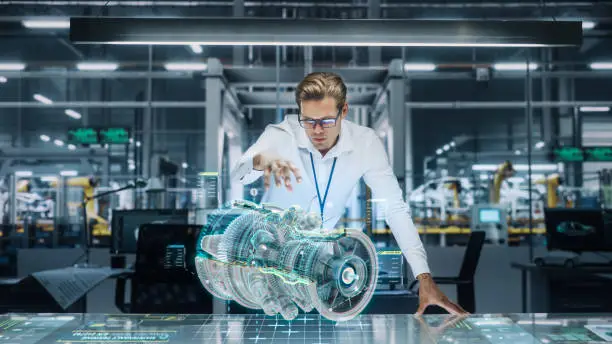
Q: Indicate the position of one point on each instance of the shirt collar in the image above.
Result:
(343, 145)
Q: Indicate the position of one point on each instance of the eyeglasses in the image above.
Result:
(324, 122)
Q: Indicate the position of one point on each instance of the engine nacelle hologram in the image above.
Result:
(278, 260)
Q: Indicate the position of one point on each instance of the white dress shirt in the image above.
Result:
(360, 153)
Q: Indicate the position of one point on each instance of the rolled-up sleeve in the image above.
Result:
(243, 171)
(380, 178)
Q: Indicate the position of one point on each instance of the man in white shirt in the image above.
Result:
(316, 159)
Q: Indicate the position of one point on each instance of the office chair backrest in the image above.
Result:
(164, 278)
(472, 255)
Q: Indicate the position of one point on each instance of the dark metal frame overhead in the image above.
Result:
(318, 32)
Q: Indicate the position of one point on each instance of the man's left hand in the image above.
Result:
(430, 295)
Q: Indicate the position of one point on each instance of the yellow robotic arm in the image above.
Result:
(552, 183)
(503, 172)
(89, 185)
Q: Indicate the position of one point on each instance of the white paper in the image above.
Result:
(68, 285)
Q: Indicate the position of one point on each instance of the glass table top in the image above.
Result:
(309, 328)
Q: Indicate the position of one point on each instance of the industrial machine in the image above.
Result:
(263, 257)
(491, 219)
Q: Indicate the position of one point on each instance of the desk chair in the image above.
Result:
(465, 281)
(158, 284)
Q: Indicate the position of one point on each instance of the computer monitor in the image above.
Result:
(489, 215)
(125, 225)
(578, 230)
(167, 249)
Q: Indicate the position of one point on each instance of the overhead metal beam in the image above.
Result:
(102, 74)
(299, 4)
(51, 154)
(291, 76)
(324, 32)
(504, 104)
(268, 100)
(115, 104)
(265, 76)
(586, 74)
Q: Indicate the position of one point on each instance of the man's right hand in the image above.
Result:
(280, 168)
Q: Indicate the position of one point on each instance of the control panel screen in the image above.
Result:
(489, 215)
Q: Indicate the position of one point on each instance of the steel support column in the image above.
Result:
(548, 127)
(570, 129)
(374, 53)
(147, 124)
(239, 51)
(214, 117)
(400, 122)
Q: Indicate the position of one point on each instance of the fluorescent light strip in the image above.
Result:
(43, 99)
(197, 49)
(23, 173)
(69, 173)
(331, 44)
(73, 114)
(420, 67)
(594, 108)
(186, 66)
(514, 66)
(14, 66)
(601, 65)
(519, 167)
(588, 25)
(46, 24)
(97, 66)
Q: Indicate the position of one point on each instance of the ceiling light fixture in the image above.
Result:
(420, 67)
(186, 66)
(97, 66)
(12, 66)
(588, 25)
(73, 114)
(324, 32)
(594, 108)
(46, 24)
(42, 99)
(196, 48)
(514, 66)
(601, 65)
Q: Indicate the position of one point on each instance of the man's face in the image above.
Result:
(322, 138)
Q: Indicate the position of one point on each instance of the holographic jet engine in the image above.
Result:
(264, 257)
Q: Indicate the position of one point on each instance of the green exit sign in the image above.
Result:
(90, 136)
(83, 136)
(580, 154)
(598, 153)
(566, 154)
(114, 136)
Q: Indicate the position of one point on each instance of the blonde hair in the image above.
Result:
(318, 85)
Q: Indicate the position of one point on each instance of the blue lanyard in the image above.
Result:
(331, 174)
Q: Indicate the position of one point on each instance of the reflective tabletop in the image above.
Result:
(309, 328)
